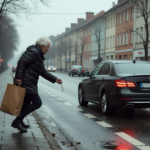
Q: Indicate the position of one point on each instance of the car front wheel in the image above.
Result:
(81, 100)
(105, 108)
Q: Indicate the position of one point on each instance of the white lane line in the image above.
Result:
(130, 139)
(53, 95)
(104, 124)
(67, 103)
(78, 109)
(59, 99)
(89, 116)
(45, 90)
(143, 147)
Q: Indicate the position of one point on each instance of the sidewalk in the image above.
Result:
(38, 137)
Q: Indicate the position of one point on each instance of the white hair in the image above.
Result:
(44, 41)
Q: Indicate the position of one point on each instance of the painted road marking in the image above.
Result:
(60, 99)
(143, 147)
(53, 95)
(104, 124)
(67, 103)
(45, 90)
(89, 116)
(130, 139)
(78, 109)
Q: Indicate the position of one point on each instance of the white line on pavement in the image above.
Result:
(89, 116)
(59, 99)
(67, 103)
(53, 95)
(104, 124)
(45, 90)
(78, 109)
(144, 147)
(130, 139)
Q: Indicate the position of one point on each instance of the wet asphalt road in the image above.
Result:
(122, 131)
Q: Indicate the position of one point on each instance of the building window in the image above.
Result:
(114, 21)
(117, 19)
(123, 38)
(132, 12)
(111, 22)
(108, 43)
(120, 57)
(108, 24)
(127, 14)
(137, 36)
(113, 41)
(131, 57)
(120, 18)
(111, 57)
(107, 57)
(124, 16)
(116, 57)
(127, 37)
(125, 57)
(117, 39)
(141, 33)
(85, 48)
(132, 36)
(120, 39)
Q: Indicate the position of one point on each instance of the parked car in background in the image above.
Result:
(76, 70)
(114, 84)
(51, 69)
(14, 68)
(45, 67)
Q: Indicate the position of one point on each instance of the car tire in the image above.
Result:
(69, 74)
(79, 75)
(72, 74)
(105, 108)
(81, 100)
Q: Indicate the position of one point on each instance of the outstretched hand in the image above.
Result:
(59, 81)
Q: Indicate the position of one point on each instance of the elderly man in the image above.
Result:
(30, 66)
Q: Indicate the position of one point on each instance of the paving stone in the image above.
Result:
(5, 147)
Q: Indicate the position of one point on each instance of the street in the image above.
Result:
(85, 128)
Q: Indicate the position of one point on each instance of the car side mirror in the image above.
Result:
(86, 74)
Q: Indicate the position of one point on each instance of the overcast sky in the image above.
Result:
(54, 20)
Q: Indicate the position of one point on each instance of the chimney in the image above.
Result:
(89, 15)
(67, 29)
(52, 37)
(73, 25)
(113, 4)
(80, 20)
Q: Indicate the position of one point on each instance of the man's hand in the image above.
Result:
(18, 81)
(59, 81)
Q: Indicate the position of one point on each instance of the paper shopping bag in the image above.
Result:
(13, 100)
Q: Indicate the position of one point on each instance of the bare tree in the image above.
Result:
(75, 50)
(69, 48)
(18, 7)
(64, 49)
(9, 40)
(82, 43)
(97, 33)
(144, 11)
(59, 54)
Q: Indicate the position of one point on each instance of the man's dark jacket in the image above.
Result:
(30, 66)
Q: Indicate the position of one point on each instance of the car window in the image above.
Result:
(97, 69)
(105, 70)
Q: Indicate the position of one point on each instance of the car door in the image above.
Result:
(100, 80)
(89, 82)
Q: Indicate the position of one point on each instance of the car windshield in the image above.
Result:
(51, 67)
(133, 69)
(77, 67)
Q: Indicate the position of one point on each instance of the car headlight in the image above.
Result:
(54, 68)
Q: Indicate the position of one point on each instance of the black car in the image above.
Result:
(76, 70)
(114, 84)
(51, 69)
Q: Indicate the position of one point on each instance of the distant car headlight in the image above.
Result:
(54, 68)
(49, 68)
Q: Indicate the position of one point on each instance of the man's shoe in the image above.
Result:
(18, 124)
(25, 125)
